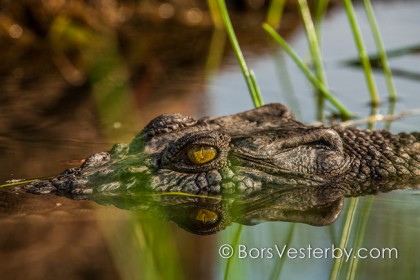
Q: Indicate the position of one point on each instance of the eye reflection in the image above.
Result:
(201, 154)
(206, 216)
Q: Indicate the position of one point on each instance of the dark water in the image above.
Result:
(60, 105)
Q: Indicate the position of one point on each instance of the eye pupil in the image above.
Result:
(200, 154)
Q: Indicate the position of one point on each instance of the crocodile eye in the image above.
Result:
(201, 154)
(195, 152)
(206, 217)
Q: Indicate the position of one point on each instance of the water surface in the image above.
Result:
(51, 118)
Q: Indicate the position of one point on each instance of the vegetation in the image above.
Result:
(146, 248)
(318, 79)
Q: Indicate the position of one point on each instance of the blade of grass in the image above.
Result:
(381, 49)
(234, 244)
(285, 82)
(345, 237)
(21, 182)
(362, 222)
(215, 14)
(374, 110)
(163, 256)
(391, 112)
(309, 75)
(320, 10)
(249, 78)
(218, 40)
(275, 274)
(275, 12)
(215, 53)
(257, 94)
(252, 87)
(360, 234)
(315, 52)
(364, 59)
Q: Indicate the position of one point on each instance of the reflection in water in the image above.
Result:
(199, 214)
(396, 72)
(259, 165)
(208, 215)
(76, 78)
(90, 73)
(318, 206)
(78, 75)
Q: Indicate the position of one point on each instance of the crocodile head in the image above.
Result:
(243, 152)
(262, 162)
(239, 153)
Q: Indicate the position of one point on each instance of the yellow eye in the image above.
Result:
(199, 154)
(206, 216)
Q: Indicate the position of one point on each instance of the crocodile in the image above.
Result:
(263, 159)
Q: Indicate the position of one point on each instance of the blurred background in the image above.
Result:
(78, 76)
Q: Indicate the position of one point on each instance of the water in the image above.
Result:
(42, 133)
(347, 83)
(391, 223)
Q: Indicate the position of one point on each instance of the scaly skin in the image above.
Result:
(380, 155)
(253, 155)
(264, 146)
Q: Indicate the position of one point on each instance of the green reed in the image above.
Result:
(275, 12)
(252, 87)
(361, 224)
(315, 52)
(248, 74)
(314, 47)
(360, 234)
(345, 236)
(21, 182)
(319, 81)
(275, 274)
(381, 49)
(320, 10)
(305, 70)
(364, 59)
(234, 244)
(321, 7)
